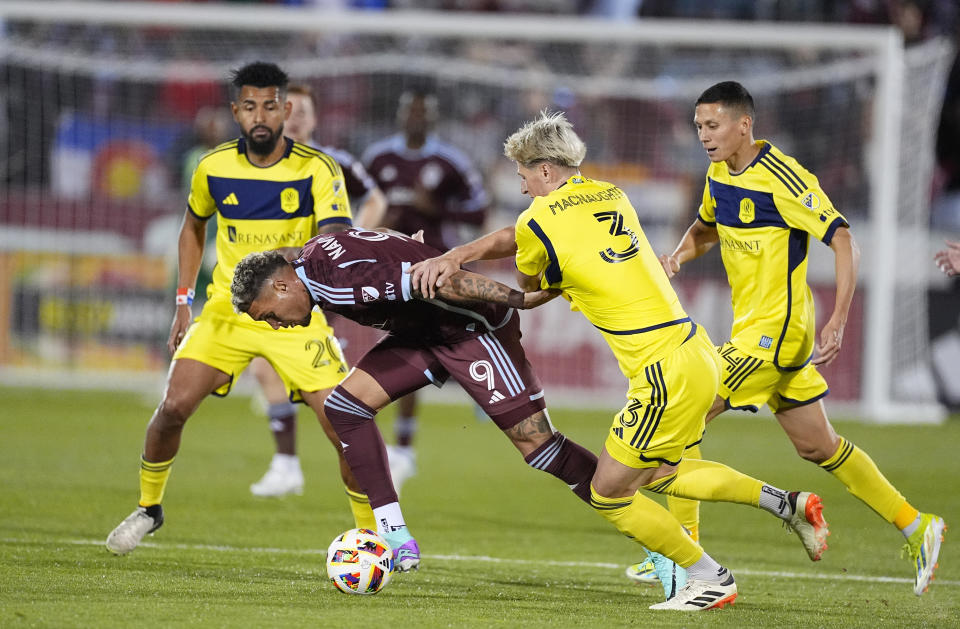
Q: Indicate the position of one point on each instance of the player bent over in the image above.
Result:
(582, 237)
(361, 275)
(263, 188)
(763, 206)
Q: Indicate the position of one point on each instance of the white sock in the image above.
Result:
(389, 518)
(285, 462)
(775, 501)
(706, 569)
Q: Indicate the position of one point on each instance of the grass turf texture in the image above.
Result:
(504, 545)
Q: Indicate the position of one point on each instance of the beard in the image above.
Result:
(265, 146)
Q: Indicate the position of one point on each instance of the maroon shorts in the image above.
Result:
(492, 368)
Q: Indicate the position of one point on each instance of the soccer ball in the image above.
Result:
(359, 562)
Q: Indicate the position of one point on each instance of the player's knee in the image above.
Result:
(173, 412)
(815, 453)
(344, 410)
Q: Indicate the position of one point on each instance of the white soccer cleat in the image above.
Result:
(134, 528)
(283, 477)
(808, 523)
(924, 549)
(697, 596)
(403, 464)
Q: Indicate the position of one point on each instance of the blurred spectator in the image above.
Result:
(430, 186)
(211, 126)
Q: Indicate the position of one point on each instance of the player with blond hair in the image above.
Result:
(582, 237)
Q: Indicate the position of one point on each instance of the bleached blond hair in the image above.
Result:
(548, 138)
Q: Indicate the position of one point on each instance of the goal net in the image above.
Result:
(105, 105)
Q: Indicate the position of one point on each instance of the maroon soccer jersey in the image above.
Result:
(437, 170)
(361, 275)
(355, 177)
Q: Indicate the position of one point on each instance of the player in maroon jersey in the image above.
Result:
(431, 186)
(362, 275)
(284, 476)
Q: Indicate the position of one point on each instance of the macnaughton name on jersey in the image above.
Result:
(573, 200)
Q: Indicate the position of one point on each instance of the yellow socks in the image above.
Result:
(711, 481)
(362, 513)
(649, 524)
(687, 511)
(857, 471)
(153, 480)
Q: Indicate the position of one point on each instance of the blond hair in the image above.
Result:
(548, 138)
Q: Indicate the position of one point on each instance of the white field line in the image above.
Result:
(484, 558)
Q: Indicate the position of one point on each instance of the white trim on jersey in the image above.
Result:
(322, 292)
(406, 282)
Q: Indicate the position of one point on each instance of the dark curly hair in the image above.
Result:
(251, 274)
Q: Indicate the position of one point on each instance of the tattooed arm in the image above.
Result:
(465, 287)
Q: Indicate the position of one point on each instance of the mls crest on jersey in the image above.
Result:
(811, 201)
(748, 210)
(369, 293)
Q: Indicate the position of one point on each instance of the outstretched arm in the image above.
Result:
(698, 239)
(466, 287)
(847, 261)
(429, 275)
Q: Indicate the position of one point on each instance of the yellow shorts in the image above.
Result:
(667, 406)
(747, 383)
(306, 358)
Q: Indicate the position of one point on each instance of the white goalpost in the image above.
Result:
(101, 99)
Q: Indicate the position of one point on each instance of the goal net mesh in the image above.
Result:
(101, 122)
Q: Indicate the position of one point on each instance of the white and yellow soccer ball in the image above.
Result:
(359, 562)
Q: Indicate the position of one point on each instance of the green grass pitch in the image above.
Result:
(504, 545)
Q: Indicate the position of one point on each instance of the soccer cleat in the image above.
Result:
(644, 572)
(403, 464)
(127, 535)
(698, 596)
(924, 548)
(283, 477)
(406, 551)
(808, 523)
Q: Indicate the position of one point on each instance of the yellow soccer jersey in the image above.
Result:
(585, 239)
(265, 208)
(764, 217)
